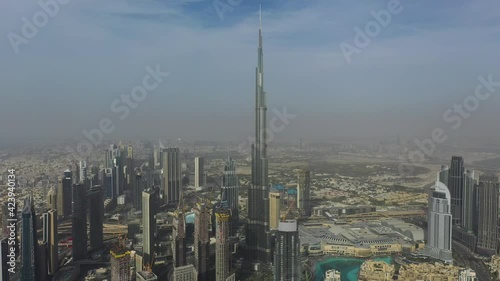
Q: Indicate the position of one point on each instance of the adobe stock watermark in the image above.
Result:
(363, 38)
(121, 107)
(454, 116)
(220, 6)
(48, 9)
(276, 125)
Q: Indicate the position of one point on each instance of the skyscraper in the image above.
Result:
(186, 273)
(148, 226)
(79, 227)
(456, 187)
(222, 251)
(83, 171)
(304, 192)
(468, 201)
(52, 199)
(257, 236)
(138, 187)
(171, 175)
(230, 192)
(29, 242)
(287, 254)
(488, 192)
(120, 268)
(129, 174)
(108, 183)
(179, 236)
(64, 194)
(96, 216)
(201, 240)
(4, 267)
(10, 227)
(439, 225)
(274, 209)
(50, 238)
(444, 174)
(230, 184)
(199, 172)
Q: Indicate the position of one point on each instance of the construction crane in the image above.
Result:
(283, 217)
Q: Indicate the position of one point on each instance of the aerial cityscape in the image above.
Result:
(377, 159)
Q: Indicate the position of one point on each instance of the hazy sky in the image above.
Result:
(92, 51)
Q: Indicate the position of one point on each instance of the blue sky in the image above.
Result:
(91, 52)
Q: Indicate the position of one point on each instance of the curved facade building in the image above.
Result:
(439, 239)
(287, 253)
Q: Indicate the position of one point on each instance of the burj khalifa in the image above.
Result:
(257, 236)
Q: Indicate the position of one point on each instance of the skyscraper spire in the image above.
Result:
(260, 16)
(258, 241)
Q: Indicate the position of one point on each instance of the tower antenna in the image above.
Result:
(260, 16)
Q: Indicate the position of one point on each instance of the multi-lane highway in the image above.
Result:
(464, 257)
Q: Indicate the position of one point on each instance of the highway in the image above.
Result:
(466, 258)
(371, 216)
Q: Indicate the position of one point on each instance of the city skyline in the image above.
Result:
(345, 175)
(437, 77)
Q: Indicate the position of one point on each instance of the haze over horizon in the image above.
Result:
(90, 53)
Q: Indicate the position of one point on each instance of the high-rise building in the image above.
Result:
(199, 172)
(488, 192)
(50, 238)
(332, 275)
(10, 212)
(148, 226)
(116, 159)
(201, 240)
(4, 259)
(475, 211)
(83, 171)
(171, 175)
(108, 183)
(64, 192)
(230, 185)
(222, 245)
(95, 197)
(444, 174)
(468, 201)
(257, 236)
(79, 227)
(456, 187)
(439, 225)
(41, 260)
(129, 173)
(52, 199)
(179, 236)
(29, 242)
(274, 209)
(120, 265)
(230, 192)
(186, 273)
(138, 187)
(304, 192)
(156, 156)
(287, 253)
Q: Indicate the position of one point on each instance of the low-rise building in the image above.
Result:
(376, 271)
(435, 272)
(362, 240)
(332, 275)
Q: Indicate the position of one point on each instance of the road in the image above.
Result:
(466, 258)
